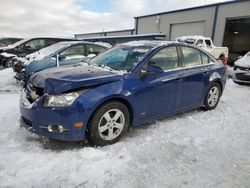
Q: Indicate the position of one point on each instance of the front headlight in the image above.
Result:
(61, 100)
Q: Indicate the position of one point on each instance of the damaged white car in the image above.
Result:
(241, 74)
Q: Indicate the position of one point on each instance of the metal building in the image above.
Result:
(227, 23)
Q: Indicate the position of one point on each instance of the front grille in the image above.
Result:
(31, 91)
(27, 122)
(241, 68)
(243, 76)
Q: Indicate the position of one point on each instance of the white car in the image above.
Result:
(206, 44)
(243, 63)
(241, 73)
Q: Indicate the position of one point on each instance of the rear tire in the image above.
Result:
(109, 123)
(212, 96)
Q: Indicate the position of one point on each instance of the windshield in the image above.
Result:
(121, 58)
(19, 43)
(53, 48)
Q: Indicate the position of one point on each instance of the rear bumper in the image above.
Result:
(37, 119)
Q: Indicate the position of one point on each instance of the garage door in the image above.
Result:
(184, 29)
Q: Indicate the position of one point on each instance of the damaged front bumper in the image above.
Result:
(54, 123)
(242, 77)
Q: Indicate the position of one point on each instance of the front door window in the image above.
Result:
(166, 58)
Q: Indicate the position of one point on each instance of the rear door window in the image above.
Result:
(35, 45)
(51, 41)
(166, 58)
(205, 59)
(191, 57)
(92, 49)
(74, 51)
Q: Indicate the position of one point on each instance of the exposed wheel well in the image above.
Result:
(222, 54)
(221, 87)
(121, 100)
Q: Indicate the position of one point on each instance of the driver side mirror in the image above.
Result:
(152, 69)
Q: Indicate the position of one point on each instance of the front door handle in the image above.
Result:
(171, 78)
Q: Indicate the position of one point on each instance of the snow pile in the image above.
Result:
(194, 149)
(8, 82)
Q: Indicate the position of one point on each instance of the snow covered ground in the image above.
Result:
(195, 150)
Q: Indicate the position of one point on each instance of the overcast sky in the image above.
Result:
(24, 18)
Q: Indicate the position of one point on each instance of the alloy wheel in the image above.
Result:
(213, 96)
(111, 124)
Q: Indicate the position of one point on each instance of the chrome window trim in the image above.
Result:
(197, 66)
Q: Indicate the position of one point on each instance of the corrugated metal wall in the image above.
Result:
(202, 21)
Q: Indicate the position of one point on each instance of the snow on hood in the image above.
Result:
(4, 54)
(62, 79)
(2, 49)
(244, 61)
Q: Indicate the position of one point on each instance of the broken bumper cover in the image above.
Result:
(45, 121)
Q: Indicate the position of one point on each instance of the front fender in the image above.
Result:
(95, 97)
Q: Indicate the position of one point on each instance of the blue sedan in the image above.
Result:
(59, 54)
(128, 85)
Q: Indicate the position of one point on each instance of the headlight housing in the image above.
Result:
(61, 100)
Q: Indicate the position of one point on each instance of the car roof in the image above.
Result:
(149, 43)
(158, 43)
(81, 42)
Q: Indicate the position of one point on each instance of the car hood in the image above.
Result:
(4, 48)
(67, 78)
(7, 55)
(243, 62)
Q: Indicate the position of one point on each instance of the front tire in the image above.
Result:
(212, 96)
(8, 63)
(109, 123)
